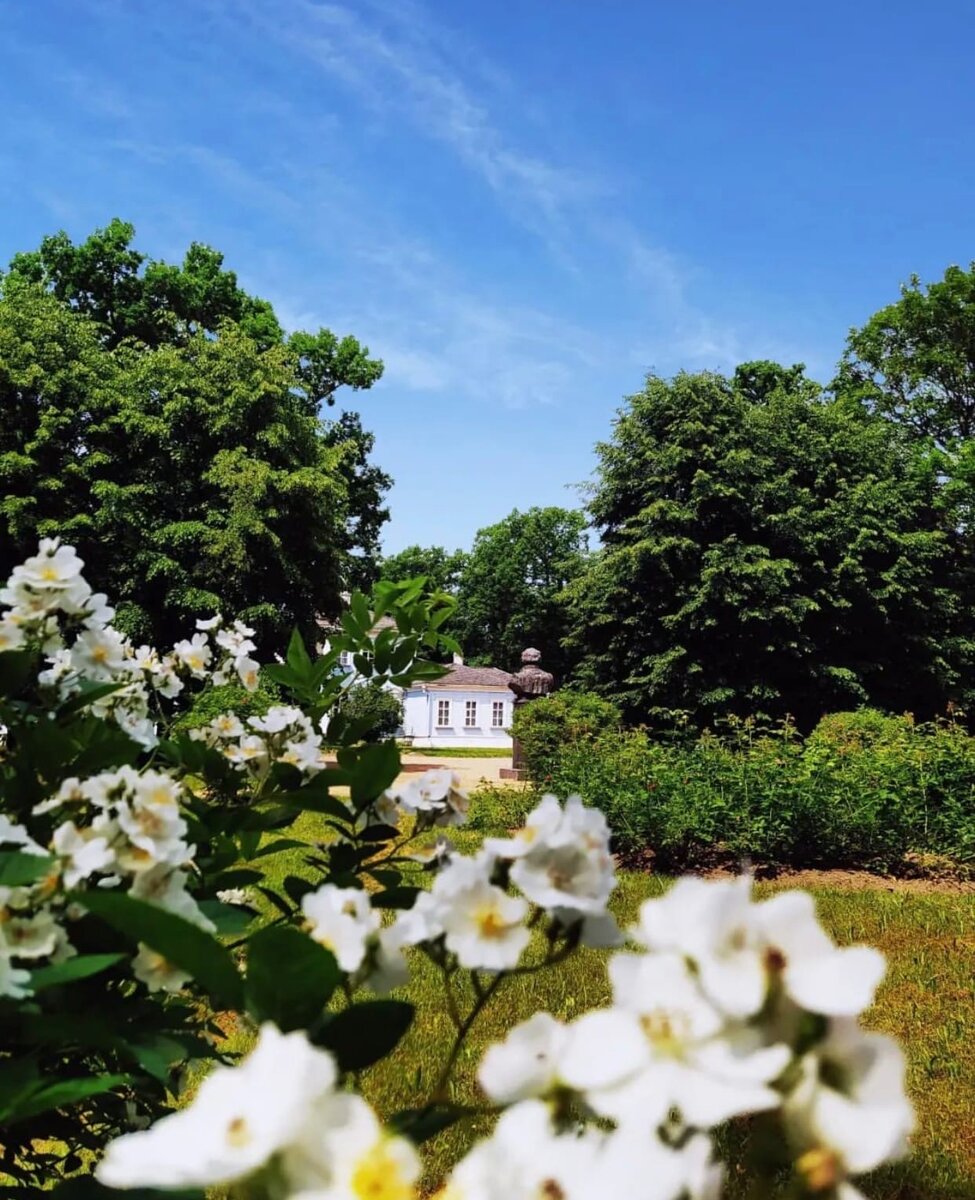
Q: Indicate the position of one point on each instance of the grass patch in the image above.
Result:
(925, 1001)
(455, 751)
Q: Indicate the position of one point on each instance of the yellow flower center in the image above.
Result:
(49, 573)
(378, 1176)
(490, 923)
(238, 1132)
(100, 654)
(667, 1031)
(820, 1169)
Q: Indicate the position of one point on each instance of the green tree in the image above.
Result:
(441, 568)
(508, 594)
(158, 417)
(914, 360)
(766, 550)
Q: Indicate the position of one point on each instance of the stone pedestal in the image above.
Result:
(528, 684)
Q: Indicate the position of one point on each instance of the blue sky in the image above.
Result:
(520, 207)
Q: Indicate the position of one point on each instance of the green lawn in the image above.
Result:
(454, 752)
(926, 1001)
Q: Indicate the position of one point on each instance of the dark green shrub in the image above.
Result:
(864, 789)
(545, 726)
(229, 697)
(375, 712)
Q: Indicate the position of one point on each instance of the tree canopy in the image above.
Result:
(509, 589)
(158, 417)
(441, 568)
(767, 549)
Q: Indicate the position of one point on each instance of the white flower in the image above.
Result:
(234, 896)
(157, 972)
(569, 868)
(527, 1062)
(239, 1119)
(138, 726)
(387, 967)
(740, 947)
(195, 654)
(205, 625)
(99, 611)
(248, 672)
(11, 634)
(437, 792)
(155, 832)
(524, 1160)
(250, 749)
(540, 826)
(161, 885)
(639, 1167)
(28, 937)
(98, 654)
(664, 1045)
(85, 850)
(156, 788)
(14, 982)
(421, 923)
(849, 1112)
(278, 718)
(341, 920)
(346, 1155)
(483, 926)
(12, 834)
(227, 725)
(53, 568)
(305, 755)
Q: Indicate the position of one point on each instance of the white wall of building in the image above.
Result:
(424, 715)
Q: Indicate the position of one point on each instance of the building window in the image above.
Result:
(345, 658)
(443, 712)
(497, 714)
(470, 714)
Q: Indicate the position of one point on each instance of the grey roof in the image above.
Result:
(461, 676)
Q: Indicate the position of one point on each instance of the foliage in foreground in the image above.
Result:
(862, 790)
(722, 1007)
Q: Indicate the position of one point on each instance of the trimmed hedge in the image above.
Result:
(863, 789)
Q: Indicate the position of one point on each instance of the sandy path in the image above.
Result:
(472, 771)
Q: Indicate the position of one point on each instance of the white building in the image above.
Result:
(469, 706)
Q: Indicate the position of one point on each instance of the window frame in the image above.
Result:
(497, 714)
(443, 707)
(470, 714)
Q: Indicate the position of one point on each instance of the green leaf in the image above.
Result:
(366, 1032)
(297, 656)
(290, 977)
(228, 918)
(81, 967)
(16, 668)
(379, 833)
(18, 867)
(395, 897)
(297, 888)
(90, 692)
(157, 1055)
(182, 943)
(65, 1091)
(421, 1124)
(373, 770)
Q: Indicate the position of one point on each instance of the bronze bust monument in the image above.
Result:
(528, 684)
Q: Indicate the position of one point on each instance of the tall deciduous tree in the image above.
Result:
(914, 361)
(765, 550)
(441, 568)
(158, 417)
(508, 595)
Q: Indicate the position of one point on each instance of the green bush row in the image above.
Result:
(863, 789)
